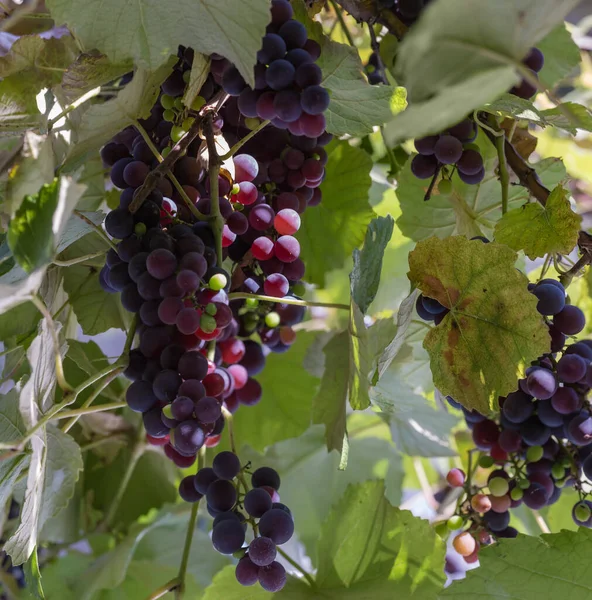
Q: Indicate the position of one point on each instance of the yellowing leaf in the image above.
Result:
(540, 230)
(492, 330)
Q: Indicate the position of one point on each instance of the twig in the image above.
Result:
(504, 176)
(430, 189)
(78, 102)
(171, 586)
(299, 568)
(89, 410)
(344, 28)
(295, 301)
(540, 521)
(77, 260)
(244, 140)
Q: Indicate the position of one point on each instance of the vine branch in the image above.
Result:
(295, 301)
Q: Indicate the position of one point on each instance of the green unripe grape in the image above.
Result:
(441, 529)
(455, 522)
(169, 115)
(498, 487)
(235, 189)
(566, 461)
(167, 411)
(251, 302)
(186, 76)
(524, 484)
(177, 133)
(211, 309)
(558, 471)
(582, 512)
(218, 282)
(486, 461)
(517, 493)
(298, 288)
(534, 453)
(272, 319)
(140, 229)
(167, 102)
(188, 122)
(445, 187)
(252, 123)
(179, 103)
(207, 323)
(165, 151)
(198, 103)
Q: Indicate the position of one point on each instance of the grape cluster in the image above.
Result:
(228, 498)
(541, 441)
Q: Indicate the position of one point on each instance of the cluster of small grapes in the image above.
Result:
(225, 489)
(541, 442)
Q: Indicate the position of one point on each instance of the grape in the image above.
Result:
(246, 572)
(238, 223)
(582, 513)
(195, 262)
(294, 271)
(464, 544)
(187, 321)
(140, 397)
(117, 172)
(135, 173)
(137, 266)
(432, 305)
(481, 503)
(148, 213)
(287, 106)
(470, 163)
(281, 11)
(262, 248)
(426, 145)
(548, 415)
(261, 217)
(276, 285)
(193, 365)
(203, 478)
(566, 401)
(183, 462)
(188, 280)
(247, 194)
(312, 126)
(472, 179)
(535, 60)
(551, 299)
(112, 152)
(287, 249)
(182, 408)
(247, 103)
(518, 407)
(262, 551)
(534, 433)
(498, 486)
(424, 167)
(188, 437)
(308, 74)
(228, 537)
(166, 385)
(148, 287)
(272, 48)
(535, 496)
(221, 495)
(571, 368)
(153, 340)
(136, 365)
(448, 150)
(169, 359)
(128, 248)
(208, 410)
(299, 56)
(118, 277)
(161, 263)
(246, 168)
(257, 502)
(187, 490)
(463, 131)
(485, 434)
(233, 82)
(119, 223)
(541, 383)
(149, 313)
(265, 106)
(570, 321)
(266, 476)
(497, 521)
(226, 465)
(314, 100)
(168, 310)
(524, 89)
(153, 423)
(581, 349)
(280, 74)
(455, 478)
(273, 577)
(579, 429)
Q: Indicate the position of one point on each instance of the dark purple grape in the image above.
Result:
(228, 536)
(257, 502)
(470, 163)
(136, 365)
(272, 48)
(579, 429)
(424, 167)
(135, 173)
(287, 105)
(148, 287)
(203, 478)
(277, 525)
(187, 490)
(566, 401)
(571, 368)
(117, 172)
(293, 33)
(281, 11)
(153, 423)
(131, 299)
(548, 415)
(161, 263)
(118, 277)
(524, 89)
(188, 437)
(246, 572)
(119, 223)
(280, 74)
(308, 74)
(273, 577)
(314, 100)
(182, 408)
(193, 365)
(128, 248)
(426, 145)
(448, 150)
(541, 383)
(497, 521)
(262, 551)
(463, 131)
(299, 56)
(221, 495)
(570, 321)
(551, 299)
(534, 433)
(472, 179)
(166, 385)
(112, 152)
(535, 496)
(208, 410)
(233, 82)
(226, 465)
(518, 407)
(193, 388)
(140, 397)
(535, 60)
(149, 313)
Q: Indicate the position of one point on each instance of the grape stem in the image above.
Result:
(97, 228)
(77, 260)
(540, 521)
(504, 176)
(430, 189)
(171, 586)
(89, 410)
(244, 140)
(180, 587)
(228, 418)
(216, 219)
(295, 301)
(299, 568)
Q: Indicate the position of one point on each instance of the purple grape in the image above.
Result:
(153, 423)
(182, 408)
(140, 397)
(119, 223)
(448, 150)
(226, 465)
(314, 100)
(273, 577)
(570, 321)
(308, 74)
(272, 48)
(257, 502)
(518, 407)
(166, 385)
(208, 410)
(262, 551)
(161, 263)
(472, 179)
(193, 365)
(203, 478)
(424, 167)
(535, 60)
(247, 572)
(221, 495)
(470, 163)
(541, 383)
(280, 74)
(551, 299)
(426, 145)
(566, 401)
(228, 536)
(188, 438)
(571, 368)
(187, 490)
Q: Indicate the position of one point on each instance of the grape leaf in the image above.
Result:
(493, 330)
(88, 71)
(470, 209)
(13, 293)
(356, 106)
(100, 122)
(331, 230)
(226, 586)
(20, 320)
(284, 410)
(418, 429)
(365, 276)
(541, 230)
(545, 566)
(149, 32)
(311, 481)
(33, 576)
(18, 109)
(76, 228)
(364, 537)
(562, 55)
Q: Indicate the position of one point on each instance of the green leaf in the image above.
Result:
(366, 539)
(493, 330)
(88, 71)
(33, 576)
(18, 109)
(562, 56)
(285, 408)
(470, 209)
(418, 429)
(331, 230)
(148, 32)
(76, 229)
(20, 320)
(365, 276)
(541, 230)
(200, 68)
(311, 481)
(356, 106)
(100, 122)
(13, 293)
(553, 564)
(226, 586)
